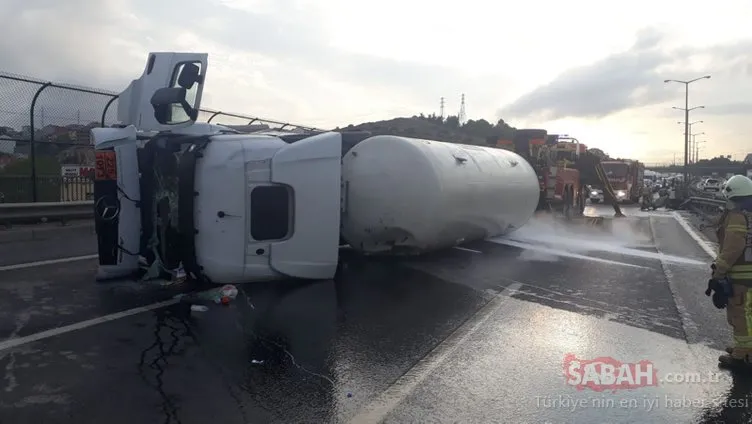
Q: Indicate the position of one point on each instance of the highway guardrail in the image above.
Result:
(30, 213)
(707, 201)
(709, 210)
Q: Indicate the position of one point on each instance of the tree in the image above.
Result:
(599, 153)
(452, 122)
(479, 128)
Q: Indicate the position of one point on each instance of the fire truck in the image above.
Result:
(554, 158)
(627, 177)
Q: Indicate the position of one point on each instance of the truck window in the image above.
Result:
(615, 170)
(178, 114)
(270, 212)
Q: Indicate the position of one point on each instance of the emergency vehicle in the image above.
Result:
(627, 177)
(554, 158)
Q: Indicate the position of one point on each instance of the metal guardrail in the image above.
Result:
(31, 213)
(707, 201)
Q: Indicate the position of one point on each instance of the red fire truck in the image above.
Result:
(553, 157)
(627, 177)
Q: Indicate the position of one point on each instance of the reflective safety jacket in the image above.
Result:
(735, 247)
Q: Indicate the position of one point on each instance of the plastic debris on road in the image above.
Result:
(228, 293)
(199, 308)
(257, 362)
(220, 295)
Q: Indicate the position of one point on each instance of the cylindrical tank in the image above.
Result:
(406, 195)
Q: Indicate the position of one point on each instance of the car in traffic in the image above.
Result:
(711, 185)
(595, 195)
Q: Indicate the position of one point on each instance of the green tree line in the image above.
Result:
(477, 128)
(719, 165)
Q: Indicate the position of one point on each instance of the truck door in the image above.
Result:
(167, 96)
(311, 169)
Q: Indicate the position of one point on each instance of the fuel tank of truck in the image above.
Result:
(408, 196)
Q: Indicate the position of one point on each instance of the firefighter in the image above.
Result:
(646, 196)
(732, 269)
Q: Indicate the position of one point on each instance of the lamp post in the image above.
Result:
(693, 147)
(686, 110)
(691, 123)
(697, 149)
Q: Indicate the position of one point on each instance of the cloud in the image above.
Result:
(737, 108)
(286, 60)
(617, 82)
(264, 56)
(632, 79)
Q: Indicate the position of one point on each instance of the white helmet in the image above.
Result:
(737, 186)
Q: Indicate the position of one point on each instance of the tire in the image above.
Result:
(567, 207)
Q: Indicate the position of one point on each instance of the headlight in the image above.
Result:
(621, 193)
(593, 193)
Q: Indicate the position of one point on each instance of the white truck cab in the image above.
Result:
(226, 207)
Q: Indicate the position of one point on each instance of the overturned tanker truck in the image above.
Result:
(233, 207)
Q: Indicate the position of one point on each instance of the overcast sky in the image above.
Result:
(591, 69)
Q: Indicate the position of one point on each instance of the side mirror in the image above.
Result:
(189, 75)
(164, 101)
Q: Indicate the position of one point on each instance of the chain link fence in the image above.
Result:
(46, 154)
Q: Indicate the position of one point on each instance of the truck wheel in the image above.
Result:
(542, 203)
(567, 207)
(581, 205)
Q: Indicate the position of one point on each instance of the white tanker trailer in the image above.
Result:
(234, 208)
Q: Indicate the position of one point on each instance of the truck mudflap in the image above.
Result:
(117, 217)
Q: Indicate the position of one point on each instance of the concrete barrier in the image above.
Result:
(32, 213)
(53, 231)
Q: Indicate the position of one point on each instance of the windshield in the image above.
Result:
(711, 182)
(565, 155)
(615, 169)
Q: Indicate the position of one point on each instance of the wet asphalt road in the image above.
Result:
(31, 243)
(476, 335)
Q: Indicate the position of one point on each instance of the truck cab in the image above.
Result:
(223, 206)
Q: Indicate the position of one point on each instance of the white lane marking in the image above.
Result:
(19, 341)
(390, 398)
(695, 235)
(562, 253)
(47, 262)
(466, 249)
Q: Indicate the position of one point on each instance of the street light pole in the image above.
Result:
(694, 146)
(686, 120)
(686, 133)
(697, 150)
(687, 126)
(691, 148)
